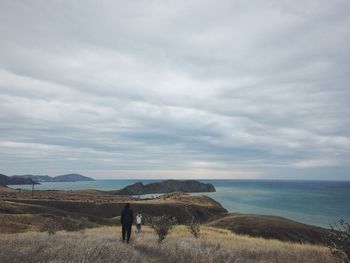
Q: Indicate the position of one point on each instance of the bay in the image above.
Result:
(313, 202)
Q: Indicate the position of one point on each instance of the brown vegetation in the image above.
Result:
(162, 225)
(52, 211)
(99, 207)
(338, 240)
(194, 227)
(104, 245)
(19, 213)
(271, 227)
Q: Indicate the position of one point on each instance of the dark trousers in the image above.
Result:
(126, 229)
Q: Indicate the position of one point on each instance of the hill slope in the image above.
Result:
(271, 227)
(99, 207)
(104, 208)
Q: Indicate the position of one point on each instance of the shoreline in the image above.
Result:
(303, 201)
(103, 208)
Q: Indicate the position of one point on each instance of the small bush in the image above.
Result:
(70, 224)
(161, 225)
(83, 224)
(338, 240)
(50, 225)
(194, 227)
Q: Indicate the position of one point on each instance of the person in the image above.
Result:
(138, 222)
(126, 219)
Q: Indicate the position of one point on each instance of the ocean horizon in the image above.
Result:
(312, 202)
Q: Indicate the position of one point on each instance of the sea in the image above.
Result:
(318, 203)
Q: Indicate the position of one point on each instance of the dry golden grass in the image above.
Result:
(224, 246)
(103, 244)
(73, 196)
(101, 197)
(65, 247)
(19, 223)
(184, 198)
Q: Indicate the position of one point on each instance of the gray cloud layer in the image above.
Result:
(175, 88)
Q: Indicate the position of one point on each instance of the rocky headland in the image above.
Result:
(168, 186)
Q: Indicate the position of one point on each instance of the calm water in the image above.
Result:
(313, 202)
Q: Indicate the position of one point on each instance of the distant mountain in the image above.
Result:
(36, 178)
(60, 178)
(168, 186)
(72, 178)
(7, 180)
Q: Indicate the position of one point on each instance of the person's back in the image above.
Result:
(127, 216)
(126, 219)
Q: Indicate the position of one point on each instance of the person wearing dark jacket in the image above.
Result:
(126, 219)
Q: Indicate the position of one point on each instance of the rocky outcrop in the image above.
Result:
(169, 186)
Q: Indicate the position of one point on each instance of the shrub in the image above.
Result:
(50, 225)
(161, 225)
(338, 240)
(83, 224)
(70, 224)
(194, 227)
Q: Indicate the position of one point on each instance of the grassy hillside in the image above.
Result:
(272, 227)
(26, 217)
(18, 212)
(103, 245)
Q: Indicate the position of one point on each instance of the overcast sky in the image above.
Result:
(175, 89)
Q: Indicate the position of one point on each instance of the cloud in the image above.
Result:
(203, 88)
